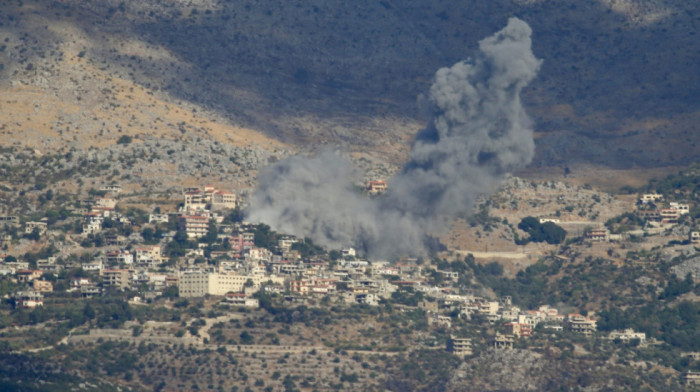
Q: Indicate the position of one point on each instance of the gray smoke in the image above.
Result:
(478, 132)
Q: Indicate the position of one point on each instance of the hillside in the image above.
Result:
(618, 85)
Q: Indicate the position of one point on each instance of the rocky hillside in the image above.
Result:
(618, 86)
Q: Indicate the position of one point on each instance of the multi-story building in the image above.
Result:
(223, 200)
(195, 201)
(26, 276)
(669, 215)
(149, 255)
(581, 324)
(194, 225)
(459, 346)
(201, 283)
(503, 341)
(28, 299)
(118, 278)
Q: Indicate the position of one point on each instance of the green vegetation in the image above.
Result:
(540, 232)
(124, 139)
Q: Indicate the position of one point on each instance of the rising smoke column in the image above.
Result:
(478, 132)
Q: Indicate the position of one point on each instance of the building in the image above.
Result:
(682, 208)
(597, 235)
(149, 255)
(28, 299)
(459, 346)
(194, 225)
(552, 220)
(30, 226)
(518, 329)
(195, 201)
(376, 187)
(651, 197)
(118, 278)
(26, 276)
(503, 341)
(627, 335)
(42, 286)
(10, 220)
(581, 324)
(105, 202)
(201, 283)
(694, 237)
(240, 299)
(223, 200)
(111, 188)
(119, 257)
(158, 218)
(669, 215)
(690, 378)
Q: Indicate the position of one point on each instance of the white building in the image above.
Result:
(201, 283)
(158, 218)
(627, 335)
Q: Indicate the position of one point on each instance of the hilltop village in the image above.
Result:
(195, 249)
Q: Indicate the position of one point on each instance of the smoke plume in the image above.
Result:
(477, 133)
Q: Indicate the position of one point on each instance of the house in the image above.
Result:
(348, 252)
(10, 220)
(627, 335)
(682, 208)
(28, 299)
(29, 227)
(149, 255)
(48, 265)
(376, 187)
(119, 257)
(694, 237)
(552, 220)
(459, 346)
(77, 283)
(438, 320)
(94, 265)
(651, 198)
(111, 188)
(158, 218)
(240, 299)
(597, 235)
(449, 275)
(690, 378)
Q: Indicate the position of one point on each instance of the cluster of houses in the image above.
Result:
(240, 269)
(659, 215)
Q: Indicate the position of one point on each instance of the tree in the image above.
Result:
(124, 139)
(148, 234)
(212, 234)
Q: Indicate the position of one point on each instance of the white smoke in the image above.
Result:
(478, 132)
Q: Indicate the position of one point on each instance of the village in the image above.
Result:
(204, 249)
